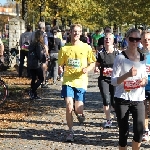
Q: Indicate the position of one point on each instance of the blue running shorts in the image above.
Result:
(77, 94)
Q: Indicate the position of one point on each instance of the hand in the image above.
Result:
(85, 70)
(132, 72)
(96, 70)
(143, 82)
(60, 70)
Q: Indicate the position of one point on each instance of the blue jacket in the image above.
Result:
(124, 43)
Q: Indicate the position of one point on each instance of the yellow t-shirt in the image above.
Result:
(75, 58)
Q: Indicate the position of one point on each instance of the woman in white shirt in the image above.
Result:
(130, 77)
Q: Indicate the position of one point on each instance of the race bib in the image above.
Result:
(148, 69)
(107, 72)
(74, 63)
(131, 84)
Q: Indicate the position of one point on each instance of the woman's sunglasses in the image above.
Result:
(132, 39)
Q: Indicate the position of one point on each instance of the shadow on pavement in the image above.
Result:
(103, 139)
(58, 135)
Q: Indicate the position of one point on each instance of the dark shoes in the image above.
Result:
(33, 96)
(37, 98)
(81, 118)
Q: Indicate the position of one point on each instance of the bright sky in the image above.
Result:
(3, 2)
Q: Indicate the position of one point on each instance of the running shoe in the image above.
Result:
(108, 124)
(146, 136)
(70, 137)
(81, 118)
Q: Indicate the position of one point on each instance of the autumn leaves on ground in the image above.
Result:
(18, 105)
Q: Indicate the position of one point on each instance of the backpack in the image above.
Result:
(26, 41)
(33, 60)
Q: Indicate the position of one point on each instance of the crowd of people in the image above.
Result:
(123, 64)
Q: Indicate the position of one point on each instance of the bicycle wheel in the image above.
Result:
(3, 92)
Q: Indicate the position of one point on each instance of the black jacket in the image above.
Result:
(35, 55)
(55, 45)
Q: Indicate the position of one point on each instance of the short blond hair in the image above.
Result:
(109, 33)
(75, 25)
(145, 32)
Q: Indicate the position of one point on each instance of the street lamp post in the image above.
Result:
(40, 12)
(63, 22)
(33, 21)
(24, 9)
(42, 7)
(17, 8)
(55, 21)
(69, 22)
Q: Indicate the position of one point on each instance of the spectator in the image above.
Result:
(24, 42)
(36, 57)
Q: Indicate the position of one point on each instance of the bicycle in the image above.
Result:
(3, 91)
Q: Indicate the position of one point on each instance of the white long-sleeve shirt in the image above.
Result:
(121, 66)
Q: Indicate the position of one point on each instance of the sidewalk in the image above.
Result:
(42, 125)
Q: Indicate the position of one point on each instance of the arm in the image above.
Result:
(46, 50)
(98, 63)
(46, 40)
(88, 68)
(144, 79)
(20, 41)
(96, 68)
(2, 49)
(122, 78)
(91, 66)
(60, 61)
(116, 78)
(91, 60)
(116, 72)
(132, 72)
(92, 41)
(59, 45)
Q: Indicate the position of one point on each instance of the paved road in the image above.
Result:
(41, 125)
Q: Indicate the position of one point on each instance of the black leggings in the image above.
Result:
(36, 74)
(122, 108)
(107, 92)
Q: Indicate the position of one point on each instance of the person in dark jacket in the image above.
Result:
(54, 57)
(84, 38)
(36, 49)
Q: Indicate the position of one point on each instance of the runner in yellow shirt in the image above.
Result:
(78, 59)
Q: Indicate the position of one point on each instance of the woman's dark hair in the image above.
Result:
(29, 28)
(39, 37)
(108, 29)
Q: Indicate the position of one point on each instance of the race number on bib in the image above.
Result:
(74, 63)
(107, 72)
(148, 69)
(131, 84)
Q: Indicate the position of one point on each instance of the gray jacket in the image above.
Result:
(25, 37)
